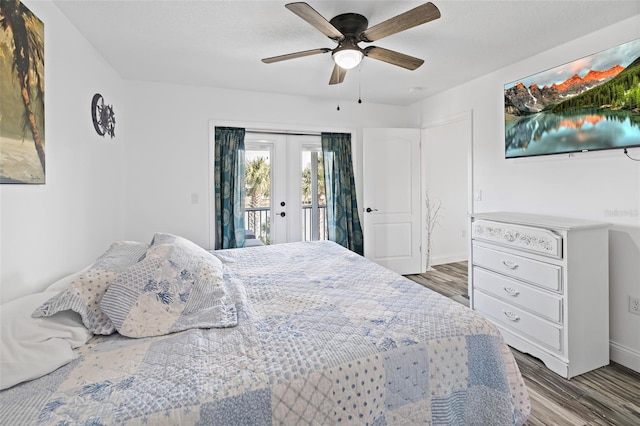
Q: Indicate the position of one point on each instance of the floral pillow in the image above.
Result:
(86, 291)
(177, 286)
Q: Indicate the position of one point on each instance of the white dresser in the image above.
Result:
(544, 281)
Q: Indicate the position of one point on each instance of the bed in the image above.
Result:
(307, 333)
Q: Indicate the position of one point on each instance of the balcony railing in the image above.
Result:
(308, 230)
(258, 220)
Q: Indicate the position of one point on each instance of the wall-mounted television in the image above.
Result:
(589, 104)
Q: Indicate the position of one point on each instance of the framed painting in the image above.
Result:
(22, 153)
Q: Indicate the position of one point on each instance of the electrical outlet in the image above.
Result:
(634, 305)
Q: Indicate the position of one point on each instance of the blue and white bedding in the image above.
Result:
(323, 336)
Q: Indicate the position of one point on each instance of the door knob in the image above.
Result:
(282, 214)
(369, 210)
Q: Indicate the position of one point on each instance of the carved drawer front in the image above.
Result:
(535, 240)
(539, 302)
(519, 321)
(539, 273)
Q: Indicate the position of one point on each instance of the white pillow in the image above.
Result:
(32, 347)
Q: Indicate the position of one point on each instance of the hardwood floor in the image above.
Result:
(607, 396)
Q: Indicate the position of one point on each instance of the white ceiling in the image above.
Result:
(220, 43)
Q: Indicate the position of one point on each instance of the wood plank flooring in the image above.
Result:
(607, 396)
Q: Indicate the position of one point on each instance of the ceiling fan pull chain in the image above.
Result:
(360, 83)
(338, 109)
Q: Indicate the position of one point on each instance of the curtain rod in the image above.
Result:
(283, 132)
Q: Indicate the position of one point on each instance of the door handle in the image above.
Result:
(369, 210)
(282, 214)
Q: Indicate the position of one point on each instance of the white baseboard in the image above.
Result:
(449, 259)
(623, 355)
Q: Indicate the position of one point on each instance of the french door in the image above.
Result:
(284, 189)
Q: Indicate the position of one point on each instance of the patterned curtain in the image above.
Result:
(342, 208)
(229, 181)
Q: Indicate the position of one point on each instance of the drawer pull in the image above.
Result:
(511, 291)
(511, 316)
(510, 264)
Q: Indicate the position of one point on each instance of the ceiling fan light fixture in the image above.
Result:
(347, 58)
(349, 29)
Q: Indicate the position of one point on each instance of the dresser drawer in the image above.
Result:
(518, 320)
(535, 240)
(540, 302)
(539, 273)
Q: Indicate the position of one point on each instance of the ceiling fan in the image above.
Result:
(349, 29)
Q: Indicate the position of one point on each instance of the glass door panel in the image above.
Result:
(258, 194)
(266, 203)
(314, 203)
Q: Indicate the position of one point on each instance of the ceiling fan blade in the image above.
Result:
(310, 15)
(295, 55)
(412, 18)
(393, 57)
(338, 74)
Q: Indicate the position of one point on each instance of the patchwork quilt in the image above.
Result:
(324, 336)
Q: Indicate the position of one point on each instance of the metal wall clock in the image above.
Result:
(104, 119)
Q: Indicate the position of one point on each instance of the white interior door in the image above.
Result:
(392, 224)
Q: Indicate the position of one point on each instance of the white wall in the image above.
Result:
(446, 150)
(167, 153)
(601, 186)
(49, 230)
